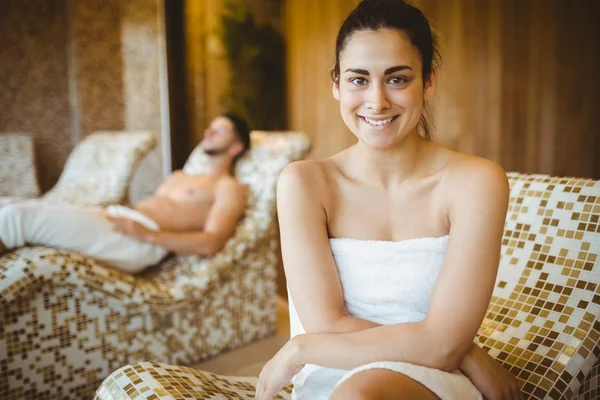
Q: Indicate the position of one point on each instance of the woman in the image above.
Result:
(391, 247)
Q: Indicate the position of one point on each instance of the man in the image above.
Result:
(188, 214)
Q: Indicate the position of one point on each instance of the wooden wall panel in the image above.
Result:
(311, 27)
(519, 82)
(196, 98)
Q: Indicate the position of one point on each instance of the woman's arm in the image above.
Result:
(490, 378)
(310, 270)
(311, 273)
(477, 210)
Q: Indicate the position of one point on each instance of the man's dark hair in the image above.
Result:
(242, 130)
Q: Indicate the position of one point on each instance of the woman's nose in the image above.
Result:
(377, 99)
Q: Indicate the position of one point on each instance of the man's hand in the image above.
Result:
(129, 227)
(489, 377)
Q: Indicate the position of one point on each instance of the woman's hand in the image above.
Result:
(279, 370)
(489, 377)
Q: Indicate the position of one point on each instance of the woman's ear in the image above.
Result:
(430, 86)
(336, 91)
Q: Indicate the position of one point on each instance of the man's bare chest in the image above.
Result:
(190, 189)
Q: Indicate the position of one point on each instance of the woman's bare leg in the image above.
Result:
(381, 384)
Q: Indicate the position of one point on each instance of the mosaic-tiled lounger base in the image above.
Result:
(154, 381)
(66, 352)
(161, 381)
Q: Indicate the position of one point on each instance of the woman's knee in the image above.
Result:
(357, 387)
(349, 390)
(381, 384)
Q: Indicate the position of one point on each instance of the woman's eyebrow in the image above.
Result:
(388, 71)
(396, 69)
(358, 71)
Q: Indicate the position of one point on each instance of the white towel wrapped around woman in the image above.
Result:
(386, 283)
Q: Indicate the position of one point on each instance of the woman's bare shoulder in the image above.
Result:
(467, 175)
(462, 168)
(308, 175)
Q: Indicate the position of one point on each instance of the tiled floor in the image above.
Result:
(249, 360)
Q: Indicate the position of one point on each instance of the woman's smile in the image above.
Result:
(378, 122)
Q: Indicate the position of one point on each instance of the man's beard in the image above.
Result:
(216, 152)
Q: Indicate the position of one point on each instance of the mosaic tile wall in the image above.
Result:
(98, 64)
(118, 74)
(71, 67)
(34, 79)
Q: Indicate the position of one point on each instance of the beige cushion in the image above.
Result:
(99, 169)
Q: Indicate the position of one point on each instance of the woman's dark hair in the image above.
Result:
(371, 15)
(242, 130)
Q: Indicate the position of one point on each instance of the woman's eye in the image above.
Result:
(397, 80)
(358, 81)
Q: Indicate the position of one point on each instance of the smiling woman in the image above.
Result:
(391, 247)
(376, 91)
(423, 44)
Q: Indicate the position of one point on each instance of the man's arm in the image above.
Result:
(186, 243)
(229, 206)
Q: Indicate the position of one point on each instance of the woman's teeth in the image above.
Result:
(378, 122)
